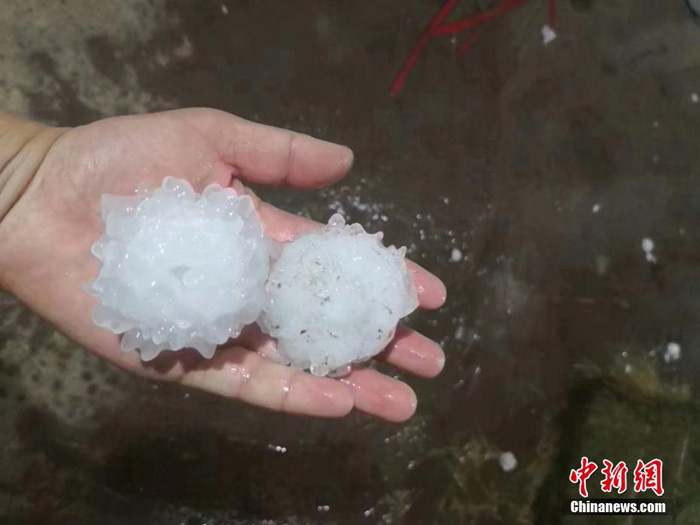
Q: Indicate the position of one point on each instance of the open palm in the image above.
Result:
(57, 220)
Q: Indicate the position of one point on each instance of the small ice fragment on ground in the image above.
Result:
(456, 255)
(672, 353)
(224, 9)
(336, 296)
(179, 269)
(185, 49)
(648, 249)
(602, 263)
(694, 98)
(548, 34)
(596, 208)
(508, 461)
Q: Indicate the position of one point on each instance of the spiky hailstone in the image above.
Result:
(179, 269)
(335, 297)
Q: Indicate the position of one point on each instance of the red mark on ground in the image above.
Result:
(466, 46)
(438, 27)
(469, 22)
(552, 15)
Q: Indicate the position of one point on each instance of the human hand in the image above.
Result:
(45, 258)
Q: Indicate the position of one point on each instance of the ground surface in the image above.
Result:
(544, 166)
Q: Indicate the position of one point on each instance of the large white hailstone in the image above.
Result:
(335, 297)
(179, 269)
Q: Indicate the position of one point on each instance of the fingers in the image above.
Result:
(431, 290)
(283, 226)
(254, 339)
(254, 379)
(409, 351)
(381, 396)
(245, 375)
(269, 155)
(414, 353)
(241, 374)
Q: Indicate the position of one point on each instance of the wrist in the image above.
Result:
(23, 146)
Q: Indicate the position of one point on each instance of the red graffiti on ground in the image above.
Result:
(438, 27)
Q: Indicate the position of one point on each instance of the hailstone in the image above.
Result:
(335, 297)
(179, 269)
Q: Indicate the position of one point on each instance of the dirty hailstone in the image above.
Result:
(335, 297)
(179, 269)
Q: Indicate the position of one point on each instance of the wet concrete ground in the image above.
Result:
(544, 167)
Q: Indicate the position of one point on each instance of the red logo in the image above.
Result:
(647, 476)
(582, 474)
(614, 477)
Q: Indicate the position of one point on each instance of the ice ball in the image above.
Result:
(335, 297)
(179, 269)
